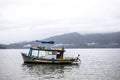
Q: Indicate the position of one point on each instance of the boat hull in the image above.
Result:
(28, 59)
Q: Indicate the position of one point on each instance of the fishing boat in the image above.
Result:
(52, 55)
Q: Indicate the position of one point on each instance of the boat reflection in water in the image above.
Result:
(47, 71)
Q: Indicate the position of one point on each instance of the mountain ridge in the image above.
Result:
(76, 40)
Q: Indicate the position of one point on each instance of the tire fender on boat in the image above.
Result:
(53, 59)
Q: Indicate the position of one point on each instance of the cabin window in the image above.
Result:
(58, 52)
(35, 53)
(42, 53)
(52, 52)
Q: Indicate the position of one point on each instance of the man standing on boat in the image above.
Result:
(78, 58)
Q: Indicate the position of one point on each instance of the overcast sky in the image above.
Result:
(26, 20)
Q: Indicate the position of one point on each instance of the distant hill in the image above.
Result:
(76, 40)
(2, 46)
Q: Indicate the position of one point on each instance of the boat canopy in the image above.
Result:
(61, 49)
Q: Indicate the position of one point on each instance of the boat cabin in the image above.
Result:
(46, 53)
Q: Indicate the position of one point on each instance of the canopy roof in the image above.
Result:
(61, 49)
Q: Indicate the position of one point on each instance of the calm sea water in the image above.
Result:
(96, 64)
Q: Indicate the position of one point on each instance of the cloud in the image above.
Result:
(33, 19)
